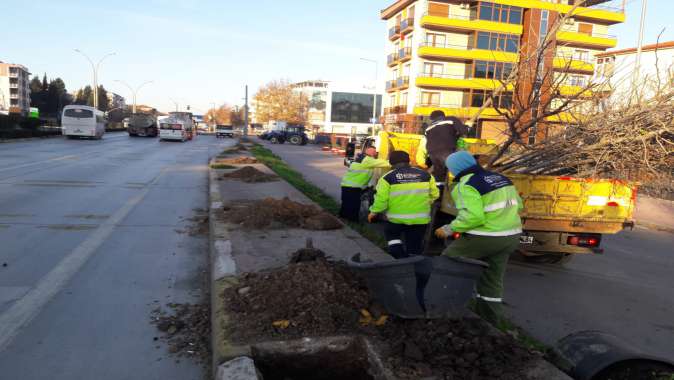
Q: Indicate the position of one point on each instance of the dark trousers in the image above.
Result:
(350, 209)
(405, 240)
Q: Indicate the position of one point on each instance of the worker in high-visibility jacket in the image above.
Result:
(490, 226)
(357, 179)
(439, 141)
(404, 195)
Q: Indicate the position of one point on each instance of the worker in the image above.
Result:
(404, 195)
(489, 223)
(356, 179)
(439, 141)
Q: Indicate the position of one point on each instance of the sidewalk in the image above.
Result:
(655, 213)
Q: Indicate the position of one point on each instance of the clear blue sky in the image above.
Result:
(200, 51)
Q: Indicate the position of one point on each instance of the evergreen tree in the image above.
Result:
(56, 96)
(45, 84)
(103, 101)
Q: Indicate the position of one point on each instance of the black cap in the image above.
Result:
(398, 157)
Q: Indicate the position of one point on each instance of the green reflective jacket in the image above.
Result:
(405, 195)
(359, 174)
(488, 204)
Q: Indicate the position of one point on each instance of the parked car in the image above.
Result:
(224, 131)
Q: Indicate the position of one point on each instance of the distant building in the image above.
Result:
(616, 69)
(14, 88)
(116, 100)
(335, 109)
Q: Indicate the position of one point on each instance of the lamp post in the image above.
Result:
(134, 92)
(174, 102)
(374, 92)
(94, 68)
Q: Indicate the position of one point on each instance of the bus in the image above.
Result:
(83, 121)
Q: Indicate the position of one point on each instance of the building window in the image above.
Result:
(577, 80)
(392, 101)
(430, 98)
(433, 70)
(403, 99)
(434, 39)
(500, 13)
(497, 42)
(543, 31)
(581, 55)
(479, 97)
(492, 70)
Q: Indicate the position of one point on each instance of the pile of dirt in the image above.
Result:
(186, 328)
(321, 298)
(237, 161)
(250, 174)
(275, 213)
(452, 349)
(315, 298)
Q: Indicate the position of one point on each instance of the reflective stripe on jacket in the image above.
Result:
(405, 195)
(359, 174)
(488, 204)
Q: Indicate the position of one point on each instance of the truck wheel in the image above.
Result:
(274, 140)
(546, 258)
(295, 140)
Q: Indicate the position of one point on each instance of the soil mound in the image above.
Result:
(272, 212)
(313, 298)
(249, 174)
(237, 160)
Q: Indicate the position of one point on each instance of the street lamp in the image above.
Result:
(95, 68)
(133, 92)
(174, 102)
(374, 92)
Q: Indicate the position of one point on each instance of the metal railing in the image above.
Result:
(394, 32)
(402, 81)
(395, 109)
(572, 57)
(593, 34)
(405, 53)
(406, 23)
(391, 59)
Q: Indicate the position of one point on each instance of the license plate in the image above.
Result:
(526, 240)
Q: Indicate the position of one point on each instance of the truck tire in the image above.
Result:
(546, 258)
(274, 140)
(295, 140)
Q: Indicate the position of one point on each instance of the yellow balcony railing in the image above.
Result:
(607, 15)
(457, 82)
(456, 110)
(464, 53)
(572, 64)
(587, 40)
(468, 24)
(579, 90)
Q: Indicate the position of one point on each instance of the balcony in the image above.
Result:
(596, 13)
(405, 54)
(14, 95)
(459, 82)
(395, 110)
(406, 25)
(467, 24)
(13, 74)
(588, 40)
(13, 85)
(392, 60)
(457, 110)
(570, 63)
(464, 53)
(575, 90)
(401, 83)
(394, 33)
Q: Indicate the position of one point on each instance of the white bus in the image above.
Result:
(83, 121)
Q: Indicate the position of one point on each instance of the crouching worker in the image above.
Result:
(356, 179)
(404, 195)
(488, 219)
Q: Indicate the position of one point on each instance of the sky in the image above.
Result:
(199, 52)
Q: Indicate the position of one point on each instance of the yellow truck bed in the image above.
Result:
(551, 203)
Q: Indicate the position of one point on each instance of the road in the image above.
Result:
(93, 237)
(627, 291)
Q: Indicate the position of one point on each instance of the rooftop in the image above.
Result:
(651, 47)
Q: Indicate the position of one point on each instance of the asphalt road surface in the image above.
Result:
(93, 237)
(627, 291)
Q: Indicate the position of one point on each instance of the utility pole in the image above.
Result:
(95, 68)
(637, 65)
(245, 116)
(174, 102)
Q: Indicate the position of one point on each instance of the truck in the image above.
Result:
(563, 216)
(224, 131)
(143, 125)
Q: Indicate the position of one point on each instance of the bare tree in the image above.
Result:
(277, 100)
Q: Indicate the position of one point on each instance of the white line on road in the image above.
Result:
(29, 306)
(38, 162)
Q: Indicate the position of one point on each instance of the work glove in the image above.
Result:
(443, 232)
(371, 217)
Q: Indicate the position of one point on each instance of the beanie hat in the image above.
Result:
(398, 157)
(459, 161)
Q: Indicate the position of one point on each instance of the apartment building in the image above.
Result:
(14, 88)
(617, 71)
(450, 55)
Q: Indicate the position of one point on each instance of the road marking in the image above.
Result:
(61, 158)
(29, 306)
